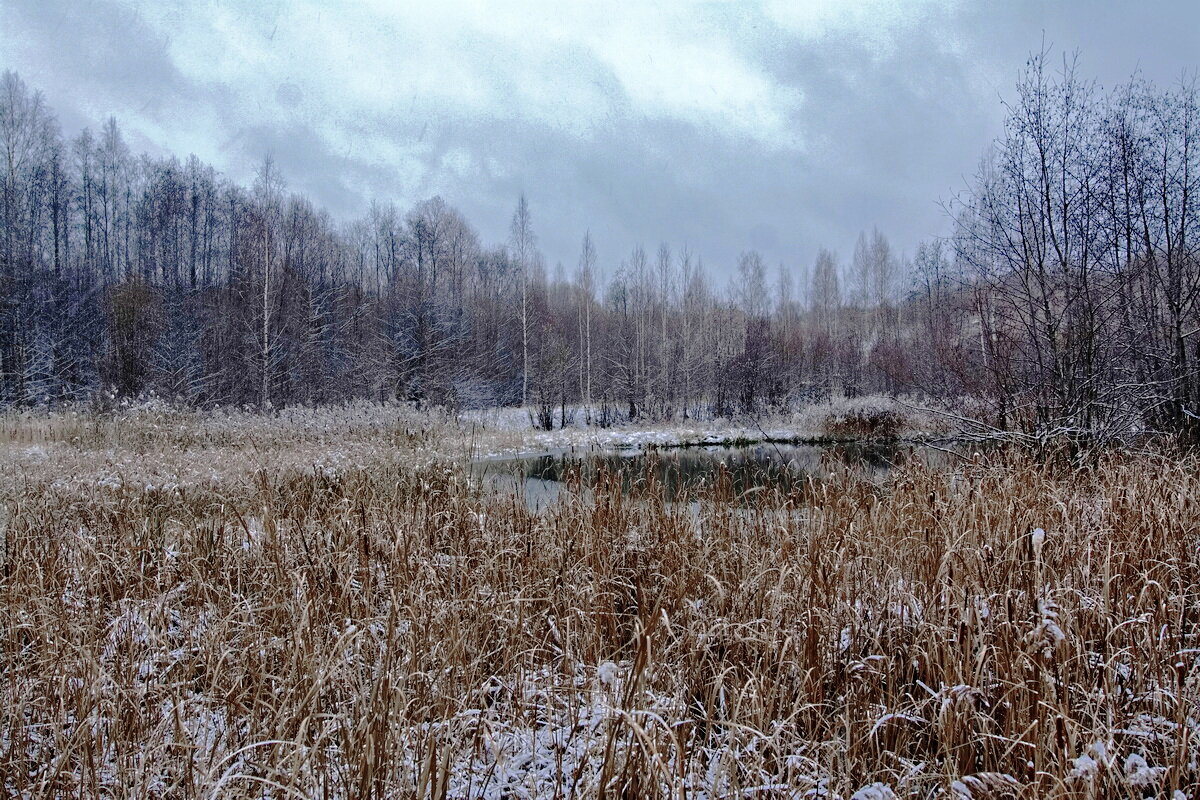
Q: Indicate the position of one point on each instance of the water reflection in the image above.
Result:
(683, 471)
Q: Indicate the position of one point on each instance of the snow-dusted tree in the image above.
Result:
(268, 202)
(177, 365)
(524, 246)
(665, 393)
(40, 378)
(1035, 243)
(827, 304)
(584, 282)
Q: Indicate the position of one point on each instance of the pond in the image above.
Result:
(679, 470)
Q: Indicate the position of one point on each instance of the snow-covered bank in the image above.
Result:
(509, 431)
(159, 445)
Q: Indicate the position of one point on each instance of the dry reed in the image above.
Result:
(386, 629)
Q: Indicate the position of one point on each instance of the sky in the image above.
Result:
(778, 126)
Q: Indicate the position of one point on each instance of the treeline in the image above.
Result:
(136, 275)
(1067, 299)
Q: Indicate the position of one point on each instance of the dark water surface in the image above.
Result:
(682, 470)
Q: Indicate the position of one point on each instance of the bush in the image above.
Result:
(867, 419)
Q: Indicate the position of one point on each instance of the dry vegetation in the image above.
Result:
(269, 626)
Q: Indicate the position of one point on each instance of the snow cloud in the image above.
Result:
(782, 125)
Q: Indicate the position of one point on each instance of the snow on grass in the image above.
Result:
(324, 603)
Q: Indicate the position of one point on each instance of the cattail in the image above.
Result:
(311, 617)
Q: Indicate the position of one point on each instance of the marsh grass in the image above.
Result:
(387, 629)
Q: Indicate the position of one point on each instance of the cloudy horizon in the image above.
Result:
(781, 127)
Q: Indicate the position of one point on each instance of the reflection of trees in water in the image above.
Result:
(875, 456)
(771, 466)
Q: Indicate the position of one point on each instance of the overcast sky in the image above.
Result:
(781, 126)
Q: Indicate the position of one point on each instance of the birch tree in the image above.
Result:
(585, 294)
(268, 196)
(524, 244)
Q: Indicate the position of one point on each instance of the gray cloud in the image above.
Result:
(93, 60)
(781, 128)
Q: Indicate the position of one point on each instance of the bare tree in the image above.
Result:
(524, 244)
(584, 282)
(664, 346)
(268, 195)
(1070, 302)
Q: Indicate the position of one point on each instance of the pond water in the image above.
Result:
(540, 478)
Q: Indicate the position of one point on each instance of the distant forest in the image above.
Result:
(1065, 300)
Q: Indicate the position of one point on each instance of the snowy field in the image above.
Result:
(320, 603)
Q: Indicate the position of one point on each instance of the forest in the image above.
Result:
(1065, 301)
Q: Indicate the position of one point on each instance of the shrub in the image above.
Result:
(865, 418)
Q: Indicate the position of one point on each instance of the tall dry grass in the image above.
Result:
(388, 630)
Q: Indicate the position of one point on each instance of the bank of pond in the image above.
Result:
(736, 471)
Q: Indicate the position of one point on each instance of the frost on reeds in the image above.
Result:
(386, 629)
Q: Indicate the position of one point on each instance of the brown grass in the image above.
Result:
(390, 630)
(864, 421)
